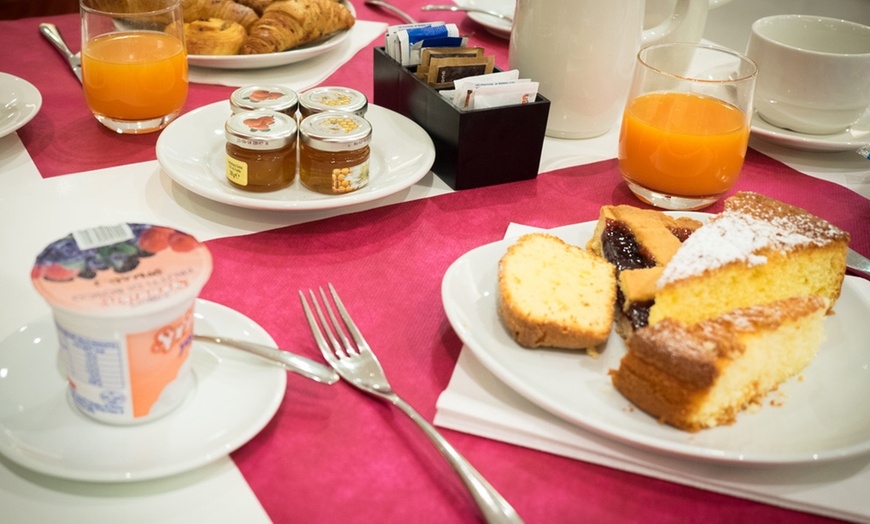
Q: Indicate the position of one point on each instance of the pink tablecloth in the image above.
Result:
(387, 264)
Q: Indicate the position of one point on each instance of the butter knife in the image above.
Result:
(287, 360)
(858, 263)
(51, 32)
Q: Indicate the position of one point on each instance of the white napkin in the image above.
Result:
(298, 76)
(478, 403)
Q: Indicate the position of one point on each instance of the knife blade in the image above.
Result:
(858, 263)
(50, 32)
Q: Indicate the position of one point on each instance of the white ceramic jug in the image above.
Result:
(582, 53)
(691, 29)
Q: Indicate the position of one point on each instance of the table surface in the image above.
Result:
(330, 453)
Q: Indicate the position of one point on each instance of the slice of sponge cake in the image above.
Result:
(555, 294)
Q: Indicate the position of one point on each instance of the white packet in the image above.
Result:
(463, 85)
(503, 94)
(391, 39)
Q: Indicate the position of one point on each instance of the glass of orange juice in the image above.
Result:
(134, 64)
(686, 124)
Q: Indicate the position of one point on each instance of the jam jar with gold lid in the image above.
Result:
(332, 98)
(334, 152)
(261, 150)
(273, 97)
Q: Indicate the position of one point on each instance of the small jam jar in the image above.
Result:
(261, 150)
(275, 98)
(331, 98)
(334, 152)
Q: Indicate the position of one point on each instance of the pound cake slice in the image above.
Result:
(555, 294)
(639, 242)
(702, 376)
(757, 250)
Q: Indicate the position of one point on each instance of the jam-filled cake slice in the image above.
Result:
(639, 242)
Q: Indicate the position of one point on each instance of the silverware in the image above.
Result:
(51, 32)
(858, 263)
(359, 366)
(466, 9)
(390, 7)
(287, 360)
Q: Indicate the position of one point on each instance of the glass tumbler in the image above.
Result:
(686, 124)
(134, 64)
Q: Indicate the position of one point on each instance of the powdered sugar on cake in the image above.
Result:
(736, 237)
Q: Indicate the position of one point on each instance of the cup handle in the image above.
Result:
(654, 34)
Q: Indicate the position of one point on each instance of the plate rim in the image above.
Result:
(273, 377)
(459, 320)
(35, 100)
(823, 143)
(251, 200)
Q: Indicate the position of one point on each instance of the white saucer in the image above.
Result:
(493, 24)
(236, 394)
(291, 56)
(852, 139)
(192, 152)
(19, 103)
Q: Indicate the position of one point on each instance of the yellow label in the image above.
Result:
(237, 171)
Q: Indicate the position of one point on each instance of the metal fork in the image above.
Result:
(359, 366)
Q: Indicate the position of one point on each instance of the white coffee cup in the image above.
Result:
(813, 72)
(582, 54)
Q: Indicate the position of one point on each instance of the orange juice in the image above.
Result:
(682, 144)
(135, 76)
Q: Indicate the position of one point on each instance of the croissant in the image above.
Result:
(257, 5)
(225, 9)
(213, 37)
(290, 23)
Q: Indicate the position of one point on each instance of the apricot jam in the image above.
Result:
(334, 152)
(261, 150)
(332, 98)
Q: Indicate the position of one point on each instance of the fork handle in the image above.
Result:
(494, 507)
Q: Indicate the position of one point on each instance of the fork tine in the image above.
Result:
(339, 331)
(361, 343)
(315, 329)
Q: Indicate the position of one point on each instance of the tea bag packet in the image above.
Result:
(430, 53)
(405, 42)
(444, 71)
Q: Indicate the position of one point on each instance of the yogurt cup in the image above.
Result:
(123, 297)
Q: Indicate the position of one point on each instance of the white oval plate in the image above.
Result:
(236, 395)
(493, 24)
(851, 139)
(192, 152)
(20, 101)
(824, 414)
(290, 56)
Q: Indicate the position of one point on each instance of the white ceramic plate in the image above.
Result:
(493, 24)
(19, 103)
(852, 139)
(290, 56)
(824, 415)
(192, 152)
(236, 394)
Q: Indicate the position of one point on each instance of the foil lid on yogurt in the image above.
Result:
(122, 269)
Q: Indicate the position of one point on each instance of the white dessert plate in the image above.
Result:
(493, 24)
(19, 103)
(851, 139)
(235, 396)
(291, 56)
(192, 152)
(821, 415)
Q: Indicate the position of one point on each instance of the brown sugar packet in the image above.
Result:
(444, 52)
(443, 71)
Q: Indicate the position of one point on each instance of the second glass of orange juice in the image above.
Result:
(686, 124)
(134, 64)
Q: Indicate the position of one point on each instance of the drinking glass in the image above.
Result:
(686, 124)
(134, 64)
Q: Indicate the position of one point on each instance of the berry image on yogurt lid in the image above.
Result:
(121, 270)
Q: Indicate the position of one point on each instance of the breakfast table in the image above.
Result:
(332, 453)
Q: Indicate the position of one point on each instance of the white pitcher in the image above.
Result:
(582, 53)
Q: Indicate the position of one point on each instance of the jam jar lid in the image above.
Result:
(274, 97)
(260, 130)
(335, 131)
(331, 98)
